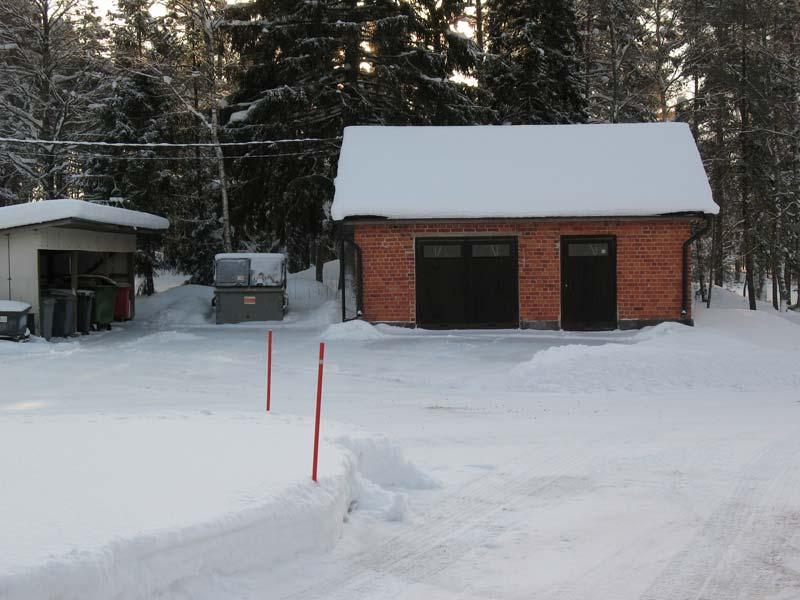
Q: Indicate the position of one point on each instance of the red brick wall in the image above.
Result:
(648, 264)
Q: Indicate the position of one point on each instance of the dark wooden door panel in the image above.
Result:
(588, 283)
(467, 283)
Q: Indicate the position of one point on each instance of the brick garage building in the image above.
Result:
(570, 226)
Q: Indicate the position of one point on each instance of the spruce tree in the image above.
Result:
(532, 69)
(615, 75)
(313, 68)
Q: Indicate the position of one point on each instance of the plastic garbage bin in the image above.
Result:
(105, 298)
(46, 308)
(122, 306)
(14, 319)
(85, 306)
(64, 313)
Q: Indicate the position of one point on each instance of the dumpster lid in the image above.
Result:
(266, 268)
(13, 306)
(59, 292)
(102, 279)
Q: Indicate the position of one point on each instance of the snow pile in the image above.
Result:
(165, 280)
(672, 357)
(181, 305)
(724, 298)
(330, 274)
(306, 293)
(47, 211)
(526, 171)
(129, 506)
(381, 461)
(351, 331)
(382, 472)
(138, 503)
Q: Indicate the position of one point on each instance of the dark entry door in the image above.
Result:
(588, 283)
(467, 282)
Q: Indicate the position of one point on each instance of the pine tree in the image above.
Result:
(313, 68)
(614, 72)
(532, 69)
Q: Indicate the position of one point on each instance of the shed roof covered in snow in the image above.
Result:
(58, 212)
(519, 171)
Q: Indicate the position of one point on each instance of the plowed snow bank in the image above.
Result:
(127, 507)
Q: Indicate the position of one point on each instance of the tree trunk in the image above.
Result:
(775, 301)
(208, 27)
(149, 282)
(787, 283)
(223, 182)
(744, 132)
(319, 259)
(479, 23)
(701, 277)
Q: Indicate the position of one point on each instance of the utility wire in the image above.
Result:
(163, 144)
(137, 158)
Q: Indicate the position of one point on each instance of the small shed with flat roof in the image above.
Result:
(53, 243)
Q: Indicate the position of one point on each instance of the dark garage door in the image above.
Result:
(467, 282)
(588, 283)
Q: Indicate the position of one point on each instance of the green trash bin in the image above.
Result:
(105, 298)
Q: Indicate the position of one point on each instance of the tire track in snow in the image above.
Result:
(758, 571)
(726, 558)
(455, 526)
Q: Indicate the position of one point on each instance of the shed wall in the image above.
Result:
(24, 245)
(649, 270)
(24, 276)
(62, 238)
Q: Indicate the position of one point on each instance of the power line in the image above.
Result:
(164, 144)
(164, 158)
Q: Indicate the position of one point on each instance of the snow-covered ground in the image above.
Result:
(656, 464)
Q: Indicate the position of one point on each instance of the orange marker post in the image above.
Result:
(319, 409)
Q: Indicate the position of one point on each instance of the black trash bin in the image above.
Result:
(64, 313)
(46, 308)
(85, 306)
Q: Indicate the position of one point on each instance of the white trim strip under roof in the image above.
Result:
(48, 211)
(520, 171)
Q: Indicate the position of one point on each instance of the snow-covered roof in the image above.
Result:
(48, 211)
(519, 171)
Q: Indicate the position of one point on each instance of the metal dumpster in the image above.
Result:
(14, 319)
(250, 287)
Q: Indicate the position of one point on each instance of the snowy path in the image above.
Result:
(736, 552)
(634, 466)
(459, 522)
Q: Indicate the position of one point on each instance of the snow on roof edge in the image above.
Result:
(49, 211)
